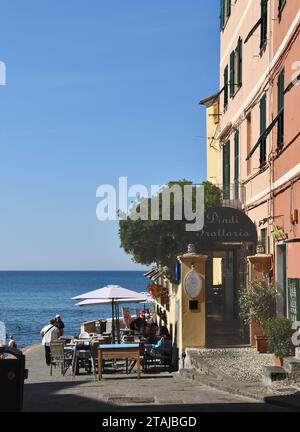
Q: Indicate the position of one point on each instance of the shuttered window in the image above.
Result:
(225, 87)
(225, 12)
(280, 85)
(228, 8)
(264, 22)
(236, 163)
(263, 125)
(226, 170)
(281, 4)
(239, 55)
(222, 14)
(232, 73)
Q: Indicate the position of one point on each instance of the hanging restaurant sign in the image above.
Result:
(228, 225)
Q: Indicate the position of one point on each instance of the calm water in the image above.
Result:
(29, 299)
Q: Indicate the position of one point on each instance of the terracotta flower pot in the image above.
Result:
(261, 343)
(278, 361)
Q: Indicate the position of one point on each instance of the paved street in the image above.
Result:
(115, 393)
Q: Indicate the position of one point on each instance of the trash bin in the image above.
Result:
(12, 376)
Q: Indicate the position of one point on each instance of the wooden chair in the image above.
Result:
(59, 357)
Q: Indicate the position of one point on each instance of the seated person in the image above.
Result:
(151, 333)
(138, 325)
(163, 331)
(162, 349)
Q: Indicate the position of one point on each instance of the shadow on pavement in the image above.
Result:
(47, 397)
(291, 401)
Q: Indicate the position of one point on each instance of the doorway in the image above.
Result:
(225, 273)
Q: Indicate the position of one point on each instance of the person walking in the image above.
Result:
(49, 334)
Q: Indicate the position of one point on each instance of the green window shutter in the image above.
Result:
(226, 170)
(232, 74)
(280, 84)
(225, 87)
(228, 8)
(239, 52)
(281, 3)
(263, 125)
(236, 163)
(222, 14)
(264, 238)
(264, 22)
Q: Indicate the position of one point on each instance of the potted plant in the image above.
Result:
(279, 333)
(257, 302)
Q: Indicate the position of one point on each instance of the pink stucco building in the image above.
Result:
(259, 129)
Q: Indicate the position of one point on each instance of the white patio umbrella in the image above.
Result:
(94, 302)
(113, 294)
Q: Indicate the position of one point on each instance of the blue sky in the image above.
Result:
(96, 90)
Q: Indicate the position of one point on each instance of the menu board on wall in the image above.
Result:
(294, 299)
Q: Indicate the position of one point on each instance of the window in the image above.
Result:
(264, 239)
(225, 12)
(226, 170)
(249, 141)
(228, 8)
(264, 23)
(280, 85)
(222, 14)
(239, 62)
(263, 125)
(225, 87)
(281, 4)
(232, 74)
(236, 163)
(236, 69)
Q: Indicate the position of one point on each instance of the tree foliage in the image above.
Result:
(279, 333)
(160, 241)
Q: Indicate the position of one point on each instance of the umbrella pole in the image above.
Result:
(118, 323)
(113, 321)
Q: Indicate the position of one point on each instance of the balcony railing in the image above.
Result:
(233, 195)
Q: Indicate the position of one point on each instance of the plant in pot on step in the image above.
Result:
(257, 304)
(279, 333)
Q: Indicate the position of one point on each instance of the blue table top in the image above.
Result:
(123, 346)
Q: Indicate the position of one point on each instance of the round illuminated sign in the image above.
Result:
(193, 284)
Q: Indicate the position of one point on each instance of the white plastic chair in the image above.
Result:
(84, 335)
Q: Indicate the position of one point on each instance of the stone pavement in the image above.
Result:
(155, 392)
(239, 372)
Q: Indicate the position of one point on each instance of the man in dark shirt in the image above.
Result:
(60, 325)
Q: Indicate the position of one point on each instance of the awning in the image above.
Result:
(264, 134)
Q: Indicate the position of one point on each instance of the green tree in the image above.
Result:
(160, 241)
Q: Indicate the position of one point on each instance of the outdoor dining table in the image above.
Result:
(119, 351)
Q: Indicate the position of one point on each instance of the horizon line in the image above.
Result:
(66, 270)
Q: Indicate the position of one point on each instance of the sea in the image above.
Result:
(29, 299)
